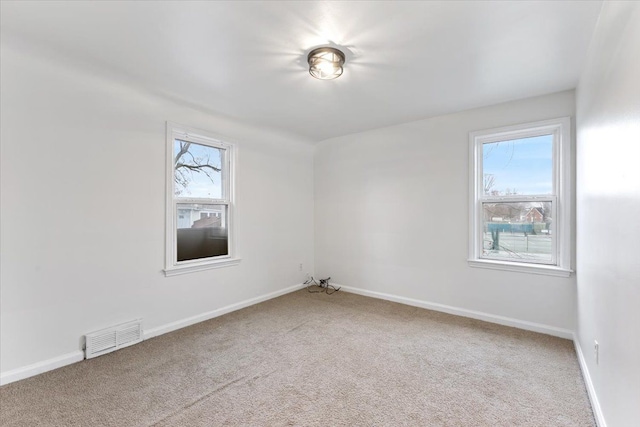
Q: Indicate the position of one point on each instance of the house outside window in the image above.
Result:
(200, 203)
(520, 198)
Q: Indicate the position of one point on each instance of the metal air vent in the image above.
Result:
(110, 339)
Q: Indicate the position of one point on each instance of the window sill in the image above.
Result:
(191, 268)
(548, 270)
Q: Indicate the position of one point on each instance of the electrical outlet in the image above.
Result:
(300, 267)
(596, 350)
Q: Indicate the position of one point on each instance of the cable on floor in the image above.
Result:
(324, 286)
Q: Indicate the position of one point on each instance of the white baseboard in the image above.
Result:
(492, 318)
(77, 356)
(179, 324)
(521, 324)
(591, 391)
(41, 367)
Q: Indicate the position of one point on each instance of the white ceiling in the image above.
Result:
(247, 60)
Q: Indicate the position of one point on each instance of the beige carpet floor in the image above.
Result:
(316, 360)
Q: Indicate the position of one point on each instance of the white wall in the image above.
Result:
(608, 198)
(391, 216)
(82, 231)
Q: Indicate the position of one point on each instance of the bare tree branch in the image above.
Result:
(185, 164)
(184, 148)
(489, 182)
(197, 167)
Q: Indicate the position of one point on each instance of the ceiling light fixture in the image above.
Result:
(325, 63)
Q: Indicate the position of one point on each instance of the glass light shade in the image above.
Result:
(325, 63)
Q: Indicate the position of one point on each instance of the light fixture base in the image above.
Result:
(325, 63)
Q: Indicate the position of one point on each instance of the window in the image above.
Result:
(199, 201)
(520, 203)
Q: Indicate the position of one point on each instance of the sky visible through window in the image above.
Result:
(519, 166)
(198, 171)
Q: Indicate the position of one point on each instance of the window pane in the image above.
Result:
(202, 231)
(197, 170)
(520, 166)
(518, 231)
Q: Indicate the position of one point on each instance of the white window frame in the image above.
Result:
(560, 198)
(172, 265)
